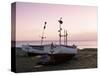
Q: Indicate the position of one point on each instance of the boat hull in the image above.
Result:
(40, 50)
(57, 54)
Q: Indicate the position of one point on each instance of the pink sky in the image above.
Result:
(80, 21)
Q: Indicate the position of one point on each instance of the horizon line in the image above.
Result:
(53, 40)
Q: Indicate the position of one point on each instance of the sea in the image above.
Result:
(80, 44)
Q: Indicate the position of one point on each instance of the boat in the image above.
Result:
(58, 52)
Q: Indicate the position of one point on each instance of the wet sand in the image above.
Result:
(85, 59)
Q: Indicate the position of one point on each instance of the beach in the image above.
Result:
(85, 59)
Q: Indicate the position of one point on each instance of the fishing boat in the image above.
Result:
(59, 52)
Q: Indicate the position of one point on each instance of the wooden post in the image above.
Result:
(52, 51)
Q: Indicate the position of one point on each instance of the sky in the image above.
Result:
(79, 21)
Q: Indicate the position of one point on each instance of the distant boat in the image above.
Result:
(59, 52)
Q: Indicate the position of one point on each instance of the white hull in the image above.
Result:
(47, 49)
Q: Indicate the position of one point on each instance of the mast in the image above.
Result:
(60, 35)
(60, 22)
(66, 37)
(42, 37)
